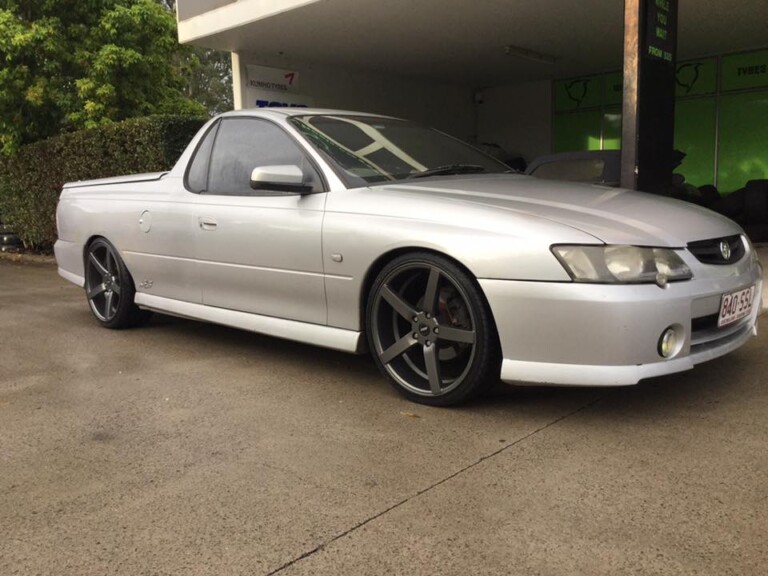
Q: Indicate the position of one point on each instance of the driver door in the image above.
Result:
(259, 251)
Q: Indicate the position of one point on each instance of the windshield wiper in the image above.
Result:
(449, 169)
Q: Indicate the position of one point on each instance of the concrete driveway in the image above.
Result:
(185, 448)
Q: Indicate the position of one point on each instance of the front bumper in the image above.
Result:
(607, 335)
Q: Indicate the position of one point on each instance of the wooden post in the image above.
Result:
(648, 118)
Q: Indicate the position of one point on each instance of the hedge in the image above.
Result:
(31, 180)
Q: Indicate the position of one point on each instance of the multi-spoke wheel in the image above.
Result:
(109, 288)
(430, 330)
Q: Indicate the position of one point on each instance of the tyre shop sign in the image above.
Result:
(274, 88)
(745, 71)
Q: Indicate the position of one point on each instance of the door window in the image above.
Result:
(243, 144)
(197, 175)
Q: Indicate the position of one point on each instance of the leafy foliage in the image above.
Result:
(68, 64)
(207, 75)
(30, 181)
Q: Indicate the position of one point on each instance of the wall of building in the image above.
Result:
(518, 118)
(721, 117)
(720, 123)
(447, 107)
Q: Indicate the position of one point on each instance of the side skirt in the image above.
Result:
(315, 334)
(74, 278)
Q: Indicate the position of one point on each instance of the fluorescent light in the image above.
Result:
(528, 55)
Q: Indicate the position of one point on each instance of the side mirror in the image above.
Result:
(286, 178)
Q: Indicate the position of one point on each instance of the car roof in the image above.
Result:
(297, 111)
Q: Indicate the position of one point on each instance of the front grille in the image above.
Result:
(704, 323)
(704, 330)
(712, 343)
(710, 251)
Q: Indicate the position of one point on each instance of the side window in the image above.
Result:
(243, 144)
(197, 176)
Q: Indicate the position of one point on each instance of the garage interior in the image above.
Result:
(531, 77)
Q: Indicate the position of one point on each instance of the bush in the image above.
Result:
(31, 180)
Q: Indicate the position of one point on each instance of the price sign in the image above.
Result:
(661, 30)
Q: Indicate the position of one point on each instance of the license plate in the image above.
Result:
(736, 306)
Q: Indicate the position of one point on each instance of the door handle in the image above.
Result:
(207, 223)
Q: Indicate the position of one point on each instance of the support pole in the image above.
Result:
(238, 82)
(648, 118)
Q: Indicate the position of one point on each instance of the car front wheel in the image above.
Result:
(430, 330)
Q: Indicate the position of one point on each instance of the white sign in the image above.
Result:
(272, 79)
(274, 88)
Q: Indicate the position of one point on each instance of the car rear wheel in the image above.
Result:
(109, 288)
(430, 330)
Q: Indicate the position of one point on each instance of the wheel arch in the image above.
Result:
(91, 239)
(473, 367)
(113, 278)
(379, 263)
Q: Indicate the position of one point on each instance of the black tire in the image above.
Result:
(109, 288)
(430, 330)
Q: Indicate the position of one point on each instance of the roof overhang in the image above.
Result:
(460, 41)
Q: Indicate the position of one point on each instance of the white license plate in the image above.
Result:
(735, 306)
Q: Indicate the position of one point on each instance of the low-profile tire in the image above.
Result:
(109, 288)
(430, 330)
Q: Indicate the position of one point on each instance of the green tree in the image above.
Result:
(207, 78)
(68, 64)
(207, 73)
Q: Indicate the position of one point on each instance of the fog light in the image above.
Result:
(668, 343)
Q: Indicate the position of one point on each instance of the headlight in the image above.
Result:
(622, 264)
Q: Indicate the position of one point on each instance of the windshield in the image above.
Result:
(367, 149)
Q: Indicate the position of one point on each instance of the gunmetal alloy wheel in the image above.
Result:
(109, 287)
(430, 330)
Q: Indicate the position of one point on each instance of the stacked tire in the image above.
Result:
(756, 210)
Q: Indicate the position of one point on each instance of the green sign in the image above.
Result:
(589, 117)
(578, 93)
(695, 135)
(661, 28)
(741, 71)
(612, 129)
(577, 131)
(696, 78)
(743, 137)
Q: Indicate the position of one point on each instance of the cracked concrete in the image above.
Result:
(195, 449)
(425, 490)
